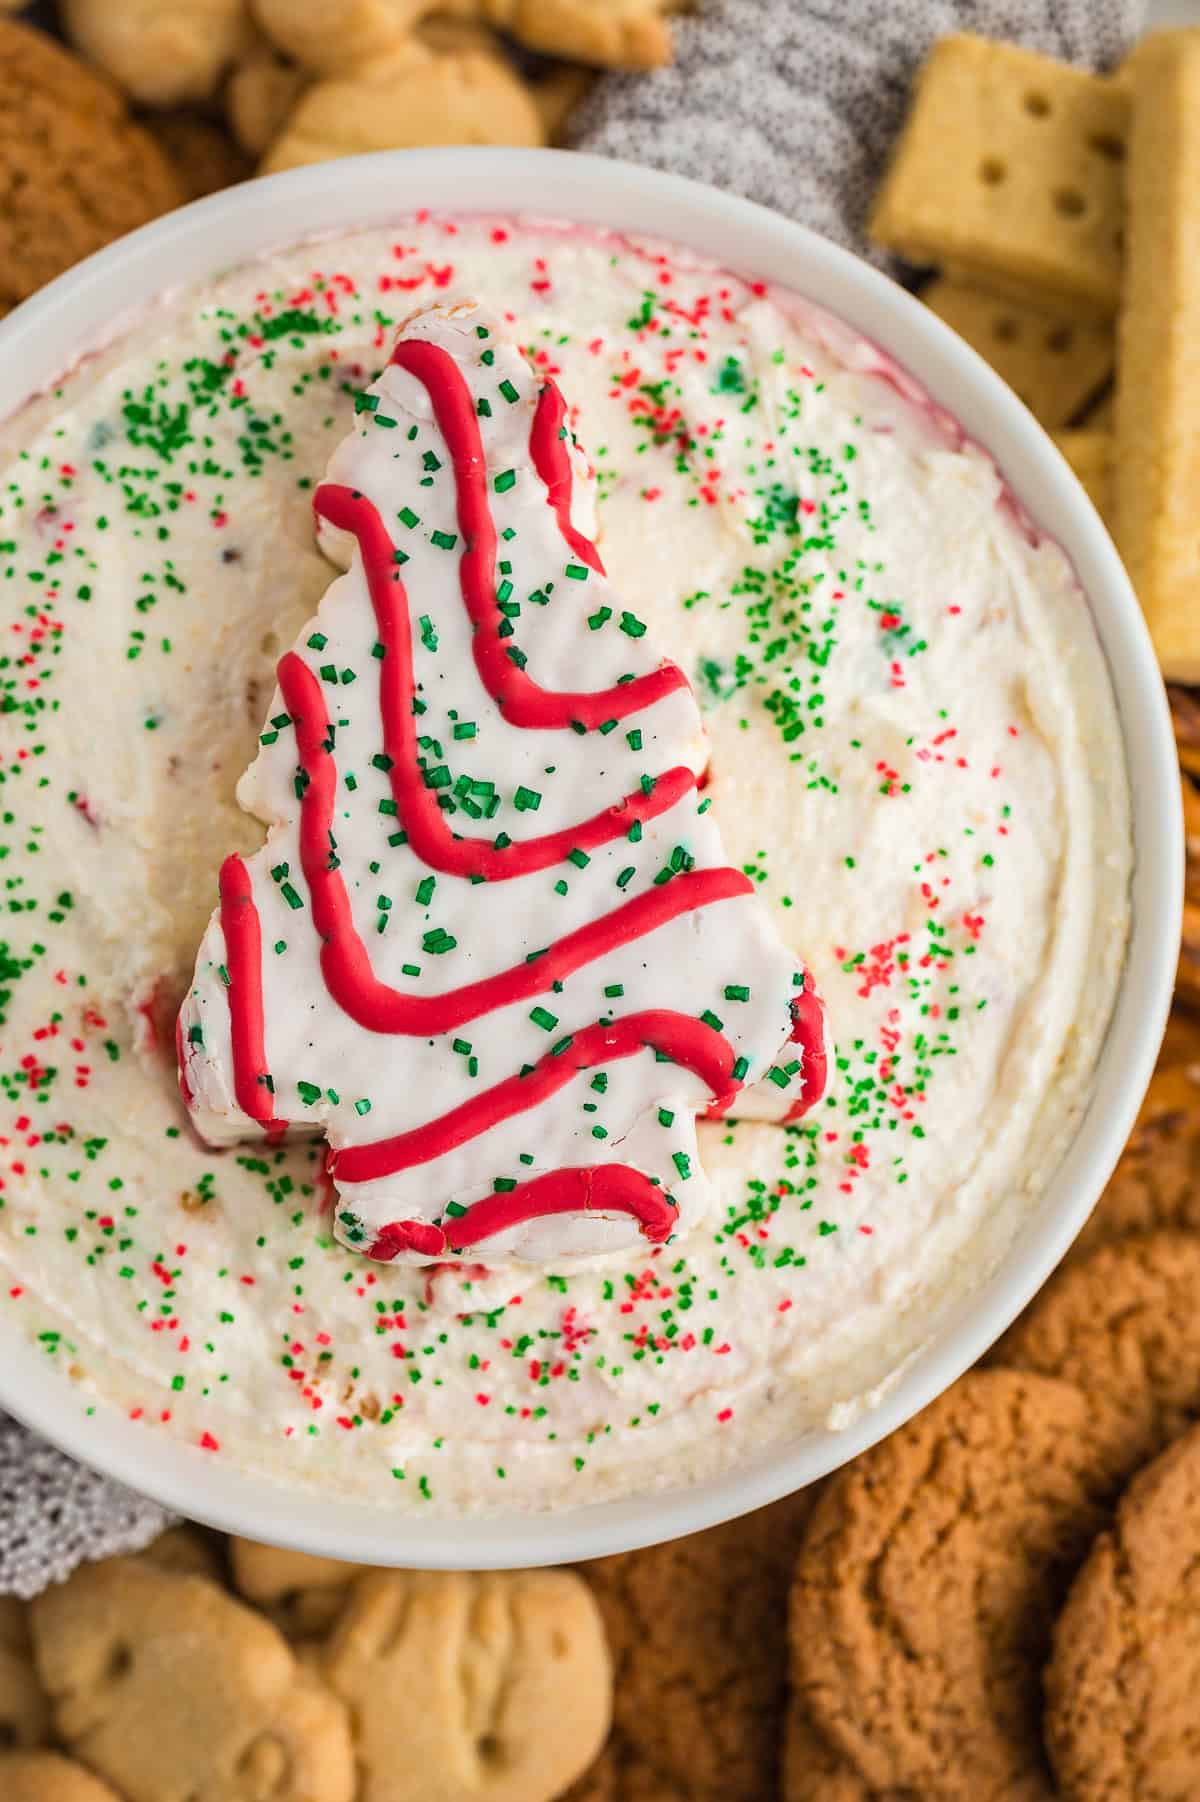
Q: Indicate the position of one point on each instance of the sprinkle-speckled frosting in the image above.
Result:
(915, 759)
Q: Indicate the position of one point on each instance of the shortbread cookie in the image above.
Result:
(1121, 1685)
(204, 157)
(175, 1692)
(927, 1583)
(1124, 1327)
(45, 1777)
(699, 1618)
(419, 98)
(65, 132)
(491, 1685)
(1157, 1180)
(160, 52)
(1090, 455)
(1054, 364)
(1009, 173)
(1157, 485)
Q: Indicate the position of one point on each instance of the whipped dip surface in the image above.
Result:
(914, 756)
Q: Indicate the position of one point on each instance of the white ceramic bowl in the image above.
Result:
(90, 303)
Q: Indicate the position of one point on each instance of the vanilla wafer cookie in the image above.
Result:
(1009, 173)
(1157, 485)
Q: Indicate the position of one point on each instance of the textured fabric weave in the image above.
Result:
(795, 103)
(787, 102)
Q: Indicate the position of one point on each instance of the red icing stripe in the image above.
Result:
(808, 1031)
(517, 695)
(552, 460)
(243, 962)
(345, 961)
(689, 1042)
(420, 815)
(602, 1188)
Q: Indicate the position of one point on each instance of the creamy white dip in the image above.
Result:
(914, 755)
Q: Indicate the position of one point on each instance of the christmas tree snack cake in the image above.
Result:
(492, 947)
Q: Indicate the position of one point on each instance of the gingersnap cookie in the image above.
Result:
(174, 1692)
(1157, 1180)
(488, 1685)
(927, 1583)
(1124, 1327)
(46, 1777)
(621, 1775)
(205, 158)
(75, 171)
(1121, 1684)
(698, 1628)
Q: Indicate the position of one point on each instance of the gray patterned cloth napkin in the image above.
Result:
(792, 103)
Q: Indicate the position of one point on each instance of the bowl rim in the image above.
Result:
(95, 301)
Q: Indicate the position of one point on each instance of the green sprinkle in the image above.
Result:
(541, 1016)
(505, 480)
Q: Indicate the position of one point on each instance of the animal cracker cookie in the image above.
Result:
(160, 52)
(927, 1583)
(260, 93)
(1157, 479)
(491, 1685)
(301, 1594)
(174, 1692)
(1121, 1685)
(418, 98)
(24, 1705)
(698, 1628)
(187, 1551)
(64, 131)
(1123, 1326)
(1009, 173)
(624, 34)
(1056, 365)
(45, 1777)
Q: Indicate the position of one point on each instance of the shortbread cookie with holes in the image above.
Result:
(1009, 172)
